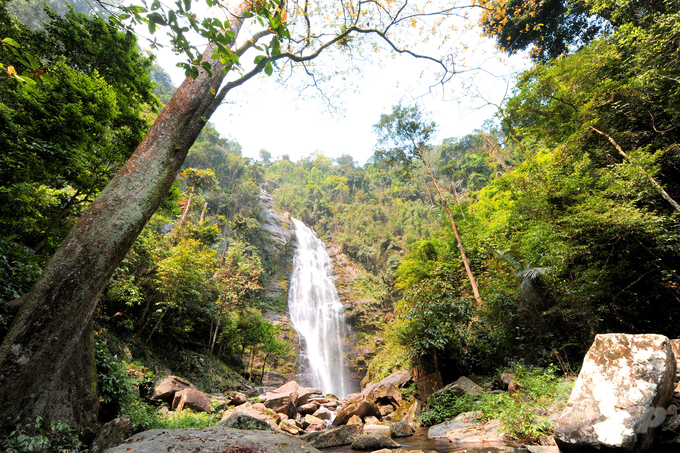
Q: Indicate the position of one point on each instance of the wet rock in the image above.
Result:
(342, 435)
(308, 408)
(383, 430)
(322, 413)
(112, 433)
(167, 387)
(401, 429)
(214, 438)
(371, 420)
(192, 399)
(373, 442)
(363, 408)
(620, 395)
(238, 420)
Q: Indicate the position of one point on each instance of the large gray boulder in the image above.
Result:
(239, 420)
(401, 429)
(342, 435)
(620, 395)
(214, 438)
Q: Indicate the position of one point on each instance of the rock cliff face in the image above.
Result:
(279, 245)
(365, 315)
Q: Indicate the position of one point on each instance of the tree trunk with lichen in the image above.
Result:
(47, 365)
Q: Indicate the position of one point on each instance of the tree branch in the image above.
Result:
(661, 190)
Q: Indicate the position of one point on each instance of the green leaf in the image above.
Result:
(268, 69)
(10, 42)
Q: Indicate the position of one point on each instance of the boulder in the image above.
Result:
(398, 379)
(460, 387)
(167, 387)
(410, 413)
(112, 433)
(192, 399)
(239, 420)
(214, 438)
(312, 420)
(362, 408)
(401, 429)
(373, 442)
(278, 402)
(302, 393)
(289, 426)
(503, 379)
(371, 420)
(236, 398)
(250, 410)
(322, 413)
(385, 394)
(308, 408)
(222, 404)
(675, 345)
(355, 420)
(466, 420)
(385, 410)
(342, 435)
(488, 432)
(620, 395)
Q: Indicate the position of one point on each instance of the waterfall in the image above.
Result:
(316, 312)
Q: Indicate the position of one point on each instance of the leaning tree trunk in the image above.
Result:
(47, 365)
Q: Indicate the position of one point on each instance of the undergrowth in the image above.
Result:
(523, 416)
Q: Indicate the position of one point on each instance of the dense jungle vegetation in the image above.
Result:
(564, 203)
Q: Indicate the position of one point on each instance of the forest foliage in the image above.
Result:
(566, 235)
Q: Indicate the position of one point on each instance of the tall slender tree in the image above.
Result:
(405, 135)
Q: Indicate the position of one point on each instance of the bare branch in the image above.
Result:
(661, 190)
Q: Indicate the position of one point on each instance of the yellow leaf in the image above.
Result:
(11, 70)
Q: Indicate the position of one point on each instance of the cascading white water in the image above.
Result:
(316, 312)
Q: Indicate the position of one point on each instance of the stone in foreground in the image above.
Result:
(401, 429)
(373, 442)
(210, 439)
(342, 435)
(620, 395)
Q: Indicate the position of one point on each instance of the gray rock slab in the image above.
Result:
(373, 442)
(342, 435)
(210, 439)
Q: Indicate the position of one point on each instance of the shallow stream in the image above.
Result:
(419, 441)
